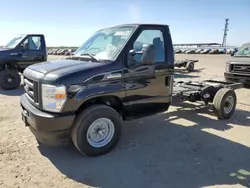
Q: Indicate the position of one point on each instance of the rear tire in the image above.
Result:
(190, 67)
(9, 79)
(96, 130)
(224, 103)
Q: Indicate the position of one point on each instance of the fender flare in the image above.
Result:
(84, 95)
(9, 64)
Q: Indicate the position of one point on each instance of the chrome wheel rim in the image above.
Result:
(229, 104)
(100, 132)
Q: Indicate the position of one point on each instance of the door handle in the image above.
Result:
(16, 54)
(142, 69)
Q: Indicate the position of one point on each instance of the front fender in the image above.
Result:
(7, 61)
(76, 100)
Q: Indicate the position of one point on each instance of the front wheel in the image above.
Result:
(9, 79)
(96, 130)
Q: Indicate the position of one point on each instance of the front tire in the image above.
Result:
(96, 130)
(9, 79)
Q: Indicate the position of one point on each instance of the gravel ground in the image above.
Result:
(186, 147)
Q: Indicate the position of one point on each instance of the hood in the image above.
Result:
(4, 53)
(240, 60)
(63, 66)
(61, 69)
(4, 49)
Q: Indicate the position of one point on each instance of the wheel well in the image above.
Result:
(112, 101)
(9, 65)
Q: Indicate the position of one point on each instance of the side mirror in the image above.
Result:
(148, 55)
(132, 52)
(23, 46)
(232, 54)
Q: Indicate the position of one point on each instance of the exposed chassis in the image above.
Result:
(220, 93)
(187, 63)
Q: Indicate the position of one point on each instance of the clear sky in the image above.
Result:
(71, 22)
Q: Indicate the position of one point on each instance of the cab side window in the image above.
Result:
(32, 43)
(148, 37)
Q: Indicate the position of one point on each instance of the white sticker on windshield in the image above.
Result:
(121, 33)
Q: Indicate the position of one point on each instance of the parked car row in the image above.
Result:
(61, 51)
(177, 51)
(205, 51)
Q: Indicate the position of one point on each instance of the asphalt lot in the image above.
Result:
(186, 147)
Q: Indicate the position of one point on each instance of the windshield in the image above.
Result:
(106, 44)
(244, 51)
(14, 42)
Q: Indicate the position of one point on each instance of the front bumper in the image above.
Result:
(245, 79)
(48, 128)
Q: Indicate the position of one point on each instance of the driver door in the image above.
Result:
(31, 51)
(146, 92)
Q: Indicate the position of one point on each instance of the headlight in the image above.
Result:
(227, 67)
(53, 97)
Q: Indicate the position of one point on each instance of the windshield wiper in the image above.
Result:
(90, 55)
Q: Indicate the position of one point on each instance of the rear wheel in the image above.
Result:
(190, 67)
(224, 103)
(96, 130)
(9, 79)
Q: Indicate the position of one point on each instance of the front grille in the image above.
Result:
(241, 68)
(31, 90)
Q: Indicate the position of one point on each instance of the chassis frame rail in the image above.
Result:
(187, 63)
(220, 93)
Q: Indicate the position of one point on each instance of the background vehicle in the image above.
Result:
(55, 51)
(51, 51)
(68, 52)
(191, 51)
(205, 51)
(187, 64)
(58, 51)
(128, 75)
(222, 51)
(198, 51)
(238, 67)
(214, 51)
(62, 52)
(18, 54)
(178, 51)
